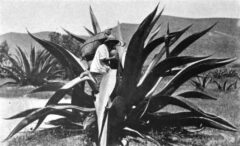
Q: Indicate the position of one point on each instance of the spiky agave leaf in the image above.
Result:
(133, 64)
(196, 94)
(59, 94)
(52, 86)
(25, 61)
(66, 123)
(64, 89)
(157, 103)
(189, 40)
(191, 71)
(152, 35)
(120, 48)
(32, 57)
(22, 114)
(107, 86)
(62, 55)
(89, 31)
(173, 37)
(53, 109)
(185, 119)
(10, 73)
(14, 62)
(133, 132)
(161, 68)
(78, 38)
(95, 25)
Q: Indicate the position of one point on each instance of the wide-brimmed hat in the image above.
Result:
(111, 39)
(115, 41)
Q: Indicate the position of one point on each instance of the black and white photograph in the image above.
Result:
(119, 72)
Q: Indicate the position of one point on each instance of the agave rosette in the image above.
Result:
(36, 69)
(129, 100)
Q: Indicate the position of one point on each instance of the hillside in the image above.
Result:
(22, 39)
(222, 40)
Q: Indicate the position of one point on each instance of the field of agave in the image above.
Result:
(129, 100)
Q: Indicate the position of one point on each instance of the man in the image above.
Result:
(105, 54)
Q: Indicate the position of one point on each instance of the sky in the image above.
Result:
(51, 15)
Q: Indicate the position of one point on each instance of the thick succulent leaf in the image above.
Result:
(173, 37)
(56, 109)
(32, 57)
(66, 123)
(81, 64)
(218, 85)
(158, 102)
(89, 31)
(52, 86)
(188, 41)
(107, 86)
(151, 46)
(152, 64)
(78, 38)
(191, 71)
(8, 83)
(58, 95)
(133, 132)
(133, 64)
(89, 121)
(186, 119)
(14, 62)
(22, 114)
(152, 35)
(63, 56)
(10, 73)
(220, 120)
(18, 72)
(121, 49)
(160, 70)
(95, 24)
(25, 61)
(172, 72)
(196, 94)
(64, 89)
(230, 86)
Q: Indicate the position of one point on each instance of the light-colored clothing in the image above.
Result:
(97, 66)
(123, 58)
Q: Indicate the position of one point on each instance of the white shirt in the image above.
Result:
(97, 66)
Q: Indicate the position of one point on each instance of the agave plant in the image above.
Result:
(225, 86)
(35, 70)
(129, 102)
(201, 81)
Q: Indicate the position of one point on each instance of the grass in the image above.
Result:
(227, 106)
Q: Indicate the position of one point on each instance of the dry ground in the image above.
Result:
(227, 106)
